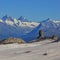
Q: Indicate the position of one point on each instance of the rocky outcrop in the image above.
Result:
(11, 40)
(55, 38)
(41, 37)
(40, 34)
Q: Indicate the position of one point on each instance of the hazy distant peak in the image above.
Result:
(22, 19)
(6, 17)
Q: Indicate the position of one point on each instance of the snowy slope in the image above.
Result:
(11, 27)
(49, 27)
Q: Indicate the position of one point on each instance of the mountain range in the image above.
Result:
(24, 29)
(12, 27)
(49, 27)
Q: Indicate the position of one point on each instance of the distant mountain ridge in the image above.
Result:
(6, 17)
(48, 26)
(22, 19)
(11, 27)
(28, 31)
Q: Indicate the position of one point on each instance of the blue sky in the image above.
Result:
(34, 10)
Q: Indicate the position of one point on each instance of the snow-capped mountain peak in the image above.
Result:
(22, 28)
(6, 17)
(11, 27)
(47, 20)
(22, 19)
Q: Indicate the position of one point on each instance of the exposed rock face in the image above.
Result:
(41, 37)
(40, 34)
(54, 37)
(11, 40)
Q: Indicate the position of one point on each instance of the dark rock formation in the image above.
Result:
(55, 38)
(40, 34)
(11, 40)
(41, 37)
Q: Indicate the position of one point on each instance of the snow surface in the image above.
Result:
(31, 51)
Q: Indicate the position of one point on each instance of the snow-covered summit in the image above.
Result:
(11, 27)
(21, 28)
(22, 19)
(48, 26)
(21, 22)
(6, 17)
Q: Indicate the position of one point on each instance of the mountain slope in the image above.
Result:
(10, 27)
(49, 27)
